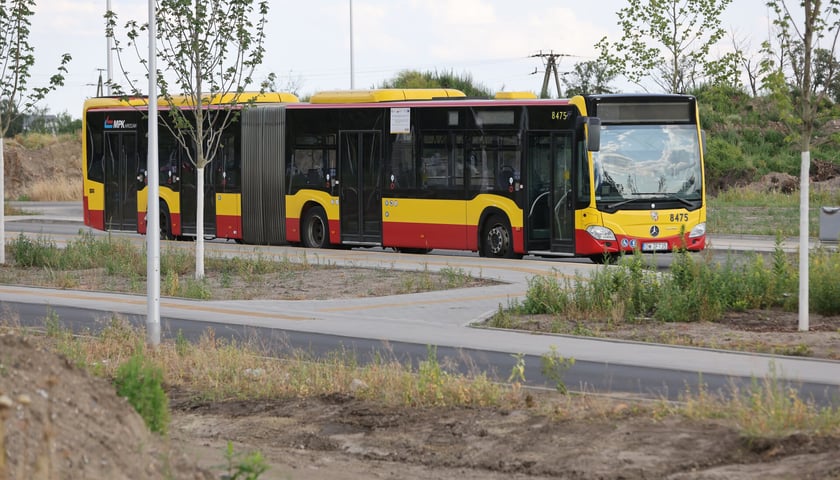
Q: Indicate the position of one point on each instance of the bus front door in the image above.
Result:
(550, 215)
(359, 171)
(121, 181)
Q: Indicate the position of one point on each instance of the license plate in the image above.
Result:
(654, 246)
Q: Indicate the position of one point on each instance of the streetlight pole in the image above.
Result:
(352, 67)
(153, 205)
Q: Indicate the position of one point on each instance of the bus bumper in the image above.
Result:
(586, 245)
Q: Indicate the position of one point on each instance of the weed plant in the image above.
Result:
(140, 382)
(767, 408)
(696, 288)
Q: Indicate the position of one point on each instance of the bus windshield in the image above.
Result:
(647, 162)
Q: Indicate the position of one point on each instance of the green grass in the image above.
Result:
(748, 212)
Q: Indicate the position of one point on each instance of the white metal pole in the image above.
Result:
(153, 206)
(110, 61)
(352, 66)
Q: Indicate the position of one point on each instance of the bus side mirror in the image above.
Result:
(593, 141)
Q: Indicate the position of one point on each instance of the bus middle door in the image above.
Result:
(359, 192)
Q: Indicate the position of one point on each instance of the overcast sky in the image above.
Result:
(309, 41)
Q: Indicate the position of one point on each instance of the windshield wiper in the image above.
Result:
(654, 197)
(616, 205)
(671, 196)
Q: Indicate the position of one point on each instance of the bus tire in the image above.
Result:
(165, 223)
(497, 239)
(315, 231)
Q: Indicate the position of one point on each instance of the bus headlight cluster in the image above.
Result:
(698, 231)
(600, 233)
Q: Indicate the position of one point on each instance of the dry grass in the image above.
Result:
(54, 190)
(215, 369)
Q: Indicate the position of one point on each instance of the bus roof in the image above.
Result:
(384, 95)
(183, 101)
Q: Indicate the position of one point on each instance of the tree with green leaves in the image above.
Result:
(207, 50)
(668, 41)
(591, 76)
(812, 73)
(417, 79)
(17, 57)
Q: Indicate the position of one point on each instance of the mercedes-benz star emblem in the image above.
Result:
(654, 231)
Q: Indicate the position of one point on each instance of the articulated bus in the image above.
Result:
(416, 170)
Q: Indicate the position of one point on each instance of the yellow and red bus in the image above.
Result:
(419, 169)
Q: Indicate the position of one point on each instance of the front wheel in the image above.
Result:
(497, 239)
(316, 230)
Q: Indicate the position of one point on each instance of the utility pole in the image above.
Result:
(99, 84)
(550, 60)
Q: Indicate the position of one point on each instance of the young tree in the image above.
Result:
(17, 57)
(588, 77)
(671, 34)
(207, 50)
(800, 44)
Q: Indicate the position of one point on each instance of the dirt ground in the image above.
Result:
(58, 422)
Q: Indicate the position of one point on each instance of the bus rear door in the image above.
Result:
(121, 180)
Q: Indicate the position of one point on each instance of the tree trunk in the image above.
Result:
(3, 197)
(199, 224)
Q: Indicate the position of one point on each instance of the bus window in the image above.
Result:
(402, 174)
(314, 158)
(95, 156)
(583, 182)
(167, 160)
(494, 162)
(434, 160)
(228, 168)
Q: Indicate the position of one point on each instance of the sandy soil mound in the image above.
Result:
(60, 422)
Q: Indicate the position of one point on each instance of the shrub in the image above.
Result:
(824, 291)
(139, 381)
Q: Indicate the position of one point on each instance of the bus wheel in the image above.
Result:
(497, 240)
(316, 230)
(165, 224)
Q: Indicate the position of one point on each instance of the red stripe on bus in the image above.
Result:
(292, 230)
(335, 232)
(426, 235)
(94, 218)
(229, 226)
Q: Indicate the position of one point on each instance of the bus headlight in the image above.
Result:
(600, 233)
(698, 231)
